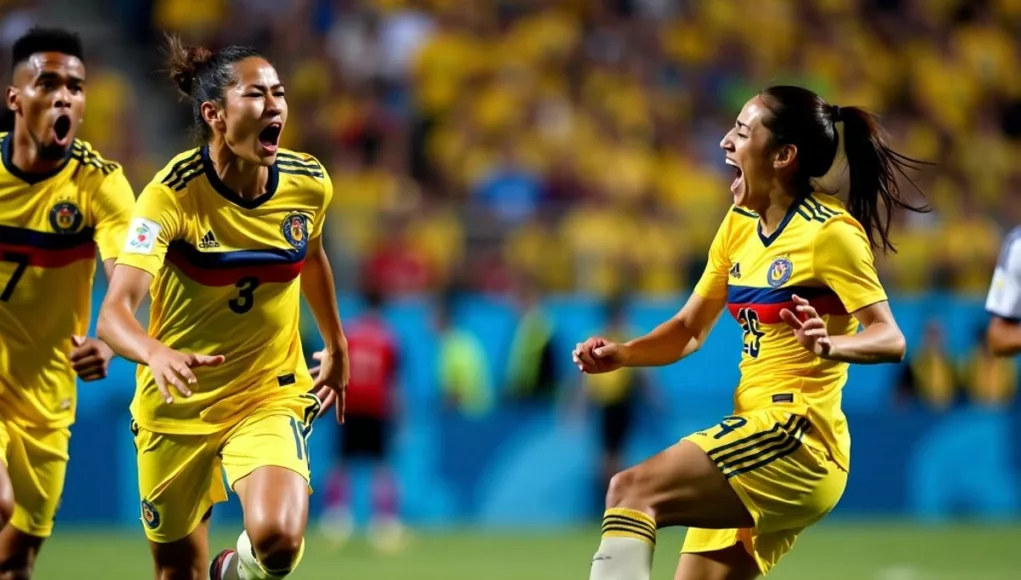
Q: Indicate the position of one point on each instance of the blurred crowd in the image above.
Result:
(575, 142)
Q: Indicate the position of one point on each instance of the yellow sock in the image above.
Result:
(629, 523)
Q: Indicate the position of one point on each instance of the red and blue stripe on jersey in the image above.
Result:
(226, 268)
(768, 302)
(48, 249)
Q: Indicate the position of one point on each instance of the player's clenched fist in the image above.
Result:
(90, 358)
(598, 355)
(171, 367)
(331, 378)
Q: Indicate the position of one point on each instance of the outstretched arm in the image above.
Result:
(119, 328)
(90, 357)
(678, 337)
(117, 324)
(318, 289)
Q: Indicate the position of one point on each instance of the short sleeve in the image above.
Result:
(844, 262)
(113, 204)
(713, 283)
(156, 222)
(320, 218)
(1004, 299)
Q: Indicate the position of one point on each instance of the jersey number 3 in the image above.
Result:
(749, 322)
(246, 295)
(22, 262)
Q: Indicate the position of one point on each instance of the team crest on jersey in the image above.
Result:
(295, 229)
(779, 271)
(150, 516)
(65, 218)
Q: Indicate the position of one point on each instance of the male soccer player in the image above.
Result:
(1004, 299)
(59, 200)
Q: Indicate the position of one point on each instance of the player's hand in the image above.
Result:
(598, 355)
(90, 358)
(172, 368)
(809, 328)
(331, 377)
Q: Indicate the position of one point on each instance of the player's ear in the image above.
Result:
(213, 116)
(12, 98)
(784, 156)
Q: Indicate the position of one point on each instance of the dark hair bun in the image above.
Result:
(186, 62)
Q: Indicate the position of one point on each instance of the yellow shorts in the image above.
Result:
(36, 460)
(180, 478)
(784, 477)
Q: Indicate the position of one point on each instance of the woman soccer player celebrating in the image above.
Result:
(226, 238)
(795, 268)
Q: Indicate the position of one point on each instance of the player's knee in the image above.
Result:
(628, 489)
(6, 506)
(277, 545)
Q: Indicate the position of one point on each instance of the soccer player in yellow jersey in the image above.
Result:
(59, 201)
(795, 268)
(227, 238)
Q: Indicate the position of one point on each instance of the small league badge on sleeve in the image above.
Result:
(142, 236)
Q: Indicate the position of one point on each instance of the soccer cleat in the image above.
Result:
(218, 567)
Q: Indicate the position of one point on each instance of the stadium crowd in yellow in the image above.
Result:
(607, 123)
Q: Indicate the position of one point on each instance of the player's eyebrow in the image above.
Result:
(53, 75)
(265, 89)
(740, 125)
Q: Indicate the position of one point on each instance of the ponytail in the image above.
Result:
(202, 76)
(874, 168)
(185, 63)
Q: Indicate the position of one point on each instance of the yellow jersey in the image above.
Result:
(820, 253)
(226, 281)
(50, 227)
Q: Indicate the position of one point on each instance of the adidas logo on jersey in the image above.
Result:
(208, 241)
(735, 272)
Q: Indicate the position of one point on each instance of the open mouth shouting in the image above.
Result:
(735, 186)
(62, 131)
(269, 137)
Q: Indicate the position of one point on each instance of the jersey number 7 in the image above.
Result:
(22, 262)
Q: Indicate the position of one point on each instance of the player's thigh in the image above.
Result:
(186, 558)
(37, 459)
(179, 480)
(679, 486)
(732, 563)
(267, 464)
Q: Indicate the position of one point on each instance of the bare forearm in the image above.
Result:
(666, 344)
(118, 328)
(1004, 338)
(318, 289)
(879, 343)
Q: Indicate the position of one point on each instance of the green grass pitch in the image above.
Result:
(828, 552)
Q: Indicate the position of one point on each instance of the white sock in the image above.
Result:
(625, 553)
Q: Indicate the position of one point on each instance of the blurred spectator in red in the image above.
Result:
(370, 415)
